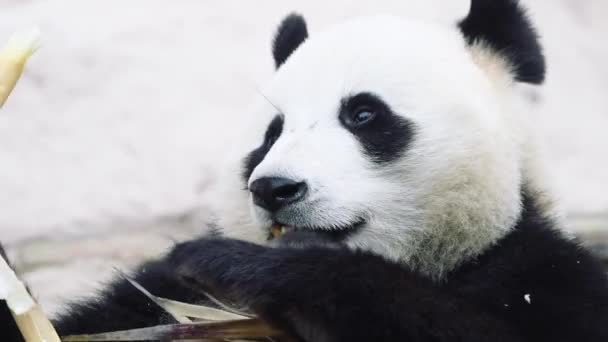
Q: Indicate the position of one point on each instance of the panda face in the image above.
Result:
(389, 135)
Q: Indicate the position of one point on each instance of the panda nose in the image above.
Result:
(274, 193)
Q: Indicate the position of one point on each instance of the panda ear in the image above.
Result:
(504, 26)
(291, 33)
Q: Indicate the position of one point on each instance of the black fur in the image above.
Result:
(120, 306)
(334, 294)
(383, 138)
(8, 328)
(504, 25)
(255, 157)
(291, 33)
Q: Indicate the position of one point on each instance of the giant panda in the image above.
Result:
(402, 177)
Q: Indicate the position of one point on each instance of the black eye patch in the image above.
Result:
(383, 134)
(255, 157)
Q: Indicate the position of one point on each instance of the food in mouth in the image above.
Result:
(276, 230)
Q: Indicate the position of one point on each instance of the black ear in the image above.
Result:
(504, 25)
(291, 33)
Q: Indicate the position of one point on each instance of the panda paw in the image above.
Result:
(287, 286)
(216, 265)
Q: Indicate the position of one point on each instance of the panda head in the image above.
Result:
(395, 136)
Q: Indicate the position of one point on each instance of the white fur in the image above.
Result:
(456, 190)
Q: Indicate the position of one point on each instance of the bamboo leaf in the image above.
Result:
(181, 311)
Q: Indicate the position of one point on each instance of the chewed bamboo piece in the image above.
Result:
(12, 60)
(30, 318)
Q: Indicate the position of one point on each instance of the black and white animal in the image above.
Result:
(398, 165)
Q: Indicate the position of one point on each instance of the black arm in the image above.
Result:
(334, 294)
(120, 306)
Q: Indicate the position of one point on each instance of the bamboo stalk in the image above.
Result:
(35, 327)
(12, 60)
(239, 329)
(31, 320)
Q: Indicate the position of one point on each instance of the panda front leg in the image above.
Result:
(333, 294)
(120, 306)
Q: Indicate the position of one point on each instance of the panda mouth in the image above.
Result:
(337, 234)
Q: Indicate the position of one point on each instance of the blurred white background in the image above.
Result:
(117, 129)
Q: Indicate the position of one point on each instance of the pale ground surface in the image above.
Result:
(112, 139)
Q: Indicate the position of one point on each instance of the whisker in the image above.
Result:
(258, 90)
(268, 100)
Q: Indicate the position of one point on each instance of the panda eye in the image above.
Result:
(361, 116)
(361, 110)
